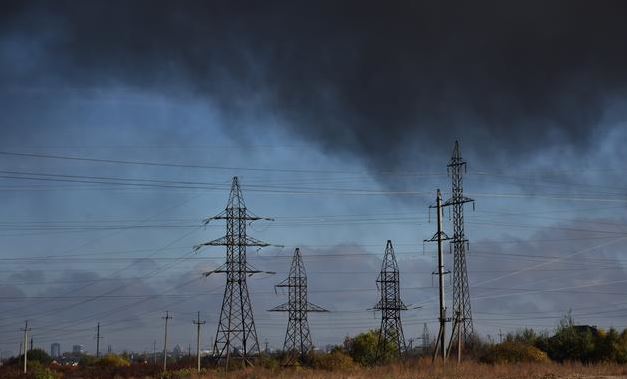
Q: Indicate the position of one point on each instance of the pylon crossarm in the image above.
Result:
(285, 283)
(285, 307)
(250, 241)
(457, 200)
(249, 270)
(315, 308)
(441, 236)
(220, 216)
(222, 241)
(220, 269)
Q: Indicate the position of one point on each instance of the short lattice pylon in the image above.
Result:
(298, 337)
(391, 338)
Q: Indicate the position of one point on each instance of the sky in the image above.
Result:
(122, 125)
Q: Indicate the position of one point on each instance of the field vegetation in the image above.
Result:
(573, 351)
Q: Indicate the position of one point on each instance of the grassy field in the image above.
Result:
(409, 370)
(424, 369)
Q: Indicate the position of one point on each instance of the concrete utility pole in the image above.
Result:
(165, 341)
(98, 341)
(439, 237)
(198, 323)
(25, 345)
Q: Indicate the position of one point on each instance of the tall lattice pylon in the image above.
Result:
(297, 337)
(461, 295)
(390, 305)
(236, 329)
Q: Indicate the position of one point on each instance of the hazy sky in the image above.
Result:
(121, 126)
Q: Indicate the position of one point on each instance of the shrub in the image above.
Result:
(363, 348)
(112, 360)
(45, 373)
(336, 360)
(514, 352)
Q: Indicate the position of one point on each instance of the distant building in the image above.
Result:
(78, 349)
(55, 350)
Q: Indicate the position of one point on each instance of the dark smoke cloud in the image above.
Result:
(361, 77)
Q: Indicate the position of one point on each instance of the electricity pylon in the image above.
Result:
(390, 305)
(440, 237)
(297, 337)
(462, 328)
(236, 332)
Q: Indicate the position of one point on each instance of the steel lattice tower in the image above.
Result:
(236, 332)
(462, 312)
(297, 337)
(390, 305)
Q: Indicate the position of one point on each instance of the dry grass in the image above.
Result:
(424, 369)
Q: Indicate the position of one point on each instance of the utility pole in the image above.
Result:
(236, 328)
(154, 352)
(165, 341)
(439, 237)
(297, 336)
(390, 305)
(198, 323)
(98, 338)
(26, 330)
(461, 292)
(32, 344)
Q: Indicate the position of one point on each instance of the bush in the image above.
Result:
(514, 352)
(112, 360)
(364, 349)
(45, 373)
(574, 343)
(336, 360)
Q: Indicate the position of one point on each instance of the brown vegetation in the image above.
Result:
(420, 368)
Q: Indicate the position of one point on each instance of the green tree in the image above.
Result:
(363, 348)
(572, 343)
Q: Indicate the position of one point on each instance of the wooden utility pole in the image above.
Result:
(198, 323)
